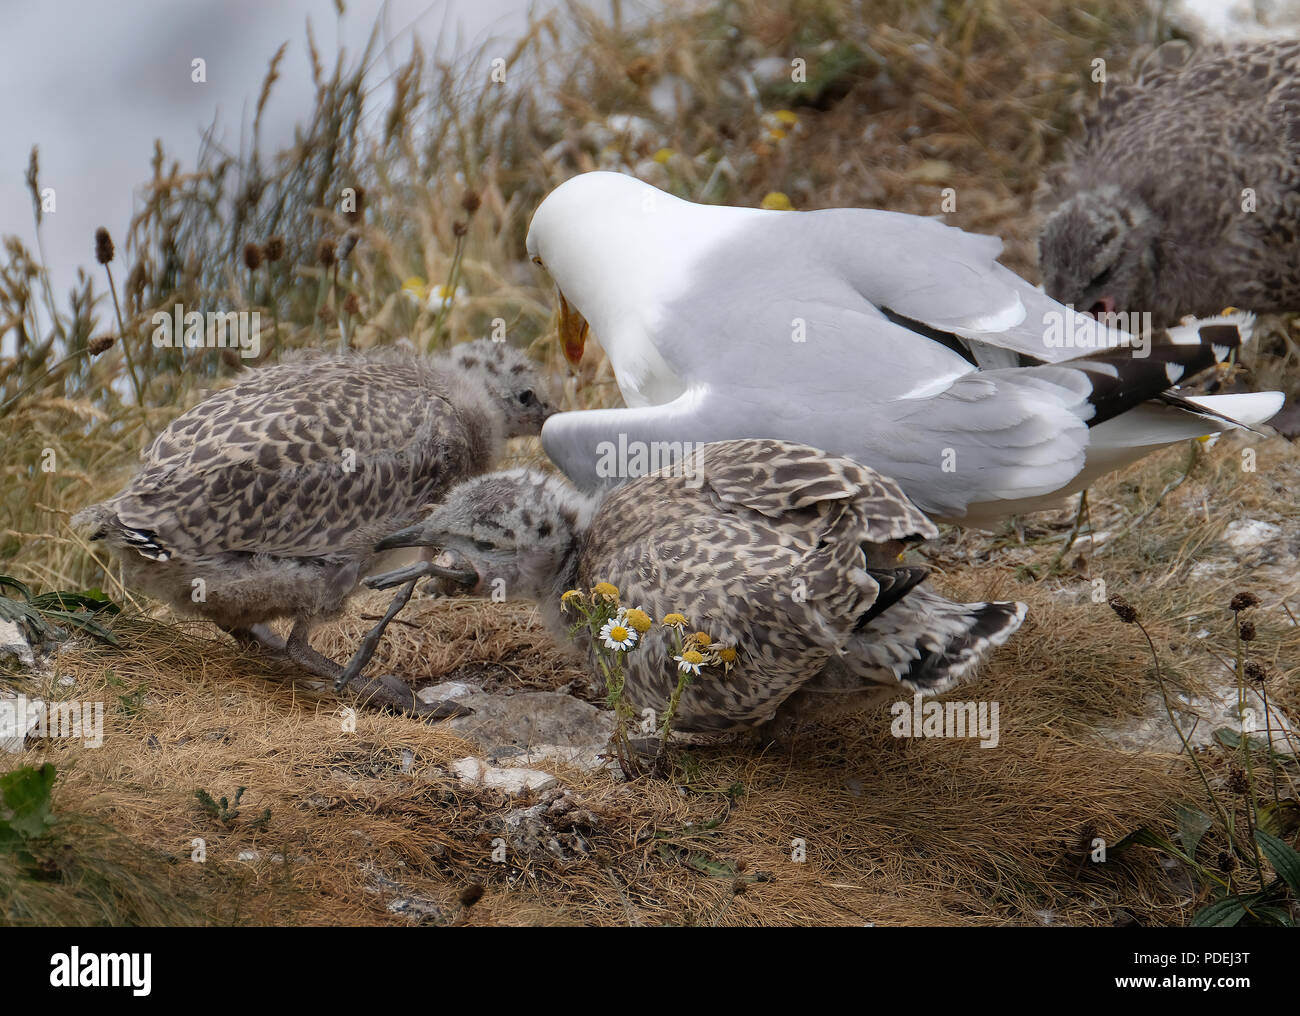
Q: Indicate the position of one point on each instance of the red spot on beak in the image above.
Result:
(1104, 305)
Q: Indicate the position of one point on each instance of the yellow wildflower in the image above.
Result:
(638, 620)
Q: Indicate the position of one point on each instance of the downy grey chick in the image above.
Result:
(265, 500)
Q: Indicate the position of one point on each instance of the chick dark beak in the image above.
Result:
(447, 565)
(573, 332)
(411, 536)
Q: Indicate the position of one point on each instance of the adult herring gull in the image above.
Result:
(890, 338)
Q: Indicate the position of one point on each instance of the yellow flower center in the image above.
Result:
(572, 594)
(674, 620)
(607, 590)
(639, 620)
(727, 655)
(702, 637)
(691, 656)
(618, 633)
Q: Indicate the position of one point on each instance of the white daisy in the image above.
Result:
(617, 637)
(689, 662)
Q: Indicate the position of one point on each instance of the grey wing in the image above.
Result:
(775, 478)
(827, 296)
(980, 437)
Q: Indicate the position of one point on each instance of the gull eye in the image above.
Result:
(527, 398)
(1102, 278)
(538, 261)
(484, 545)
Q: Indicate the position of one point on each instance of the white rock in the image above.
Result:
(588, 758)
(511, 780)
(447, 691)
(14, 644)
(19, 716)
(1245, 534)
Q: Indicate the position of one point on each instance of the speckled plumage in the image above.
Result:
(1148, 215)
(783, 550)
(273, 491)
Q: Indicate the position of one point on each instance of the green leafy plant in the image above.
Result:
(48, 616)
(226, 811)
(1251, 822)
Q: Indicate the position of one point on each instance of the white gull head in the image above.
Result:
(619, 250)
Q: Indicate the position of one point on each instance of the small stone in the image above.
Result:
(1247, 534)
(14, 645)
(511, 780)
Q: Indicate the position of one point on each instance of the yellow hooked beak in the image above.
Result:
(573, 332)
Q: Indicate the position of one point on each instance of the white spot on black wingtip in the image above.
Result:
(1220, 352)
(1174, 371)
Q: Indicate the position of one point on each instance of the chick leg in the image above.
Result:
(386, 691)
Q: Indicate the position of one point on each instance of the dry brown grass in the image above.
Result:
(973, 96)
(897, 832)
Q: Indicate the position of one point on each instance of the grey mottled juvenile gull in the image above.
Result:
(889, 338)
(1184, 194)
(779, 550)
(265, 500)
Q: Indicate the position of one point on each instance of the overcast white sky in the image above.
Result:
(93, 82)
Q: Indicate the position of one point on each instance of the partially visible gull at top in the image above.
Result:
(889, 338)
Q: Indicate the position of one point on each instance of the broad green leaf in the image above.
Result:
(1283, 857)
(1274, 915)
(64, 600)
(1192, 825)
(1222, 913)
(13, 583)
(1146, 838)
(25, 800)
(1280, 819)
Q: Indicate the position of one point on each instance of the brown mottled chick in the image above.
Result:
(265, 500)
(784, 552)
(1184, 195)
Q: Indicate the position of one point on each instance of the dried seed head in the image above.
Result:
(1227, 861)
(1243, 601)
(1123, 609)
(1256, 671)
(471, 894)
(103, 246)
(273, 249)
(1238, 783)
(326, 315)
(471, 202)
(1247, 631)
(100, 344)
(738, 886)
(351, 305)
(252, 256)
(326, 252)
(459, 228)
(230, 358)
(639, 70)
